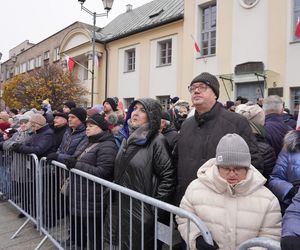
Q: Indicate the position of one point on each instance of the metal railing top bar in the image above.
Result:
(260, 242)
(152, 201)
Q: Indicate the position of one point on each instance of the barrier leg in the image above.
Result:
(21, 227)
(41, 243)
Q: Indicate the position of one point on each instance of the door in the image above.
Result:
(250, 90)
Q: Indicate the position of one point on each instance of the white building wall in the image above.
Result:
(128, 81)
(163, 79)
(250, 34)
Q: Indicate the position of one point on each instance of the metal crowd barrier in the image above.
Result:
(260, 242)
(19, 183)
(80, 216)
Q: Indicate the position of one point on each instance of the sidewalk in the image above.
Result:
(27, 239)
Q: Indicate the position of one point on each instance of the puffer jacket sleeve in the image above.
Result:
(278, 182)
(269, 158)
(164, 170)
(271, 227)
(194, 232)
(291, 218)
(104, 164)
(79, 149)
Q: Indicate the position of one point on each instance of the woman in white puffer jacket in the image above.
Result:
(229, 196)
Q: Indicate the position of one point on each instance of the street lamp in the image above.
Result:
(107, 4)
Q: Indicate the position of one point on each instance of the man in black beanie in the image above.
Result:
(68, 106)
(200, 134)
(110, 106)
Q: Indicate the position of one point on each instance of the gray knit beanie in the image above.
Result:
(210, 80)
(233, 151)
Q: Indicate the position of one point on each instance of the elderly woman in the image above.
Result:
(230, 197)
(98, 160)
(143, 164)
(285, 178)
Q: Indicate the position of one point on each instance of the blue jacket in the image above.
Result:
(287, 168)
(291, 218)
(73, 143)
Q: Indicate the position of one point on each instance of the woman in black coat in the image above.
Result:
(97, 159)
(143, 164)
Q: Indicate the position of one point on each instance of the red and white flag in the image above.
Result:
(70, 62)
(298, 120)
(297, 30)
(96, 61)
(196, 45)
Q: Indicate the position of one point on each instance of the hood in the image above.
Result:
(208, 174)
(291, 141)
(154, 111)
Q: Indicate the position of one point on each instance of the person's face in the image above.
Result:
(202, 95)
(233, 175)
(74, 122)
(59, 121)
(139, 115)
(92, 129)
(107, 107)
(24, 125)
(66, 109)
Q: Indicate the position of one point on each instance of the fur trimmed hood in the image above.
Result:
(291, 141)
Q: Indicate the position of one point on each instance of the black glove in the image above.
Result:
(293, 191)
(70, 162)
(290, 243)
(202, 245)
(51, 157)
(15, 147)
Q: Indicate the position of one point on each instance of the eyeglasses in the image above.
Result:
(235, 170)
(201, 87)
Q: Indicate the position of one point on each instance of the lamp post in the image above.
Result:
(107, 4)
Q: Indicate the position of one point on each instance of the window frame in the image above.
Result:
(208, 33)
(130, 60)
(296, 15)
(164, 49)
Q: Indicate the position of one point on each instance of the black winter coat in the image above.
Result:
(149, 170)
(59, 134)
(198, 140)
(268, 154)
(40, 143)
(98, 161)
(171, 135)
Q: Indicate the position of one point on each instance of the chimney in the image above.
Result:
(128, 7)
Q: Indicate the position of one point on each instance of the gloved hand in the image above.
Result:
(15, 147)
(290, 243)
(293, 191)
(202, 245)
(51, 157)
(70, 162)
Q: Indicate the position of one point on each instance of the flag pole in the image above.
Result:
(78, 63)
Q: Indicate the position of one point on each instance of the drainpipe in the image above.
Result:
(106, 71)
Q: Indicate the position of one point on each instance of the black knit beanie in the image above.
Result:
(98, 120)
(112, 103)
(80, 113)
(209, 80)
(70, 104)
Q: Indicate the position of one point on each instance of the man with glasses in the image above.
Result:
(201, 133)
(230, 197)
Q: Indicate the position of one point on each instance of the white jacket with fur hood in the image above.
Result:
(232, 214)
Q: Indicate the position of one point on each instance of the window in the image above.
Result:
(129, 60)
(165, 52)
(31, 64)
(17, 70)
(208, 30)
(23, 67)
(296, 18)
(295, 100)
(46, 55)
(56, 56)
(127, 102)
(38, 61)
(164, 101)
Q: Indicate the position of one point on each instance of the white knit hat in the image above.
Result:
(233, 151)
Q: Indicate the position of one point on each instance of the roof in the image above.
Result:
(150, 15)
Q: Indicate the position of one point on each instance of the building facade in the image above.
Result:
(149, 51)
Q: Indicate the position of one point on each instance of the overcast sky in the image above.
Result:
(35, 20)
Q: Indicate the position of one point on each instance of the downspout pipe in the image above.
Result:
(106, 71)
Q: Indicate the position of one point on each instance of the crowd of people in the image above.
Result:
(235, 165)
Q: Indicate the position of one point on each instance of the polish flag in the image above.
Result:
(196, 45)
(70, 63)
(297, 30)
